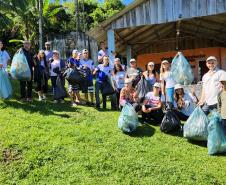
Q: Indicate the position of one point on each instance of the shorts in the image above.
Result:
(73, 88)
(90, 86)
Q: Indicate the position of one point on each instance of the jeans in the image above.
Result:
(155, 115)
(26, 92)
(207, 108)
(170, 94)
(98, 87)
(224, 125)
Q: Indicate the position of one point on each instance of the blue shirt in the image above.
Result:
(103, 72)
(74, 62)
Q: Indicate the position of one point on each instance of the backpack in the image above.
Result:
(170, 122)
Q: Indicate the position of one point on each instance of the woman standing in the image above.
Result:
(41, 75)
(167, 81)
(103, 72)
(150, 74)
(56, 66)
(5, 85)
(119, 79)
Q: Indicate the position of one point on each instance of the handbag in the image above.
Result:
(107, 88)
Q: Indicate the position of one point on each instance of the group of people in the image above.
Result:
(123, 79)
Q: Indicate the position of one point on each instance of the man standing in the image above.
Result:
(87, 63)
(211, 86)
(26, 86)
(102, 53)
(48, 52)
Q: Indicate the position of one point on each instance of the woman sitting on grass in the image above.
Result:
(184, 102)
(152, 107)
(129, 95)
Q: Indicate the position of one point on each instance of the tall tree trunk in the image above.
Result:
(77, 19)
(40, 24)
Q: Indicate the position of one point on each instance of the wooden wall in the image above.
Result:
(162, 11)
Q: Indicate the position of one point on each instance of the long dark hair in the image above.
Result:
(153, 71)
(3, 46)
(178, 98)
(115, 70)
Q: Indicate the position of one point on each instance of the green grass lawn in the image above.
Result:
(46, 143)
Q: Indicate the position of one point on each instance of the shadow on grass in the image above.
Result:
(44, 108)
(198, 143)
(144, 130)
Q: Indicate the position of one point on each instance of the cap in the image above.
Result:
(75, 51)
(165, 61)
(151, 63)
(85, 51)
(211, 58)
(55, 51)
(223, 76)
(128, 80)
(47, 43)
(41, 51)
(178, 86)
(132, 60)
(157, 85)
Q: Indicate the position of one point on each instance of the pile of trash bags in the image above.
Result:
(195, 127)
(181, 70)
(20, 69)
(128, 119)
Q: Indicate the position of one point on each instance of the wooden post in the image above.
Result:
(128, 54)
(111, 45)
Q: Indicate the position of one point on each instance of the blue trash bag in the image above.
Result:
(5, 85)
(181, 70)
(216, 138)
(20, 69)
(128, 119)
(195, 127)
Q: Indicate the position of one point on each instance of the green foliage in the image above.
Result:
(46, 143)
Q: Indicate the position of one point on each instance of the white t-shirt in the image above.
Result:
(152, 99)
(119, 78)
(54, 64)
(89, 63)
(4, 57)
(168, 78)
(212, 86)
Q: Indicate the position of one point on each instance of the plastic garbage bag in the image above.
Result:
(20, 69)
(60, 91)
(142, 88)
(5, 85)
(181, 70)
(170, 122)
(216, 138)
(128, 119)
(195, 127)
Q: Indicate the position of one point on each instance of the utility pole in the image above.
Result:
(40, 5)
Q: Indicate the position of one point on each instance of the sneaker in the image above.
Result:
(55, 101)
(92, 104)
(39, 98)
(29, 99)
(43, 97)
(73, 104)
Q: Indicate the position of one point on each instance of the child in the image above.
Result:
(222, 101)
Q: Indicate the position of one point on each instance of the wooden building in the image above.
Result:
(151, 30)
